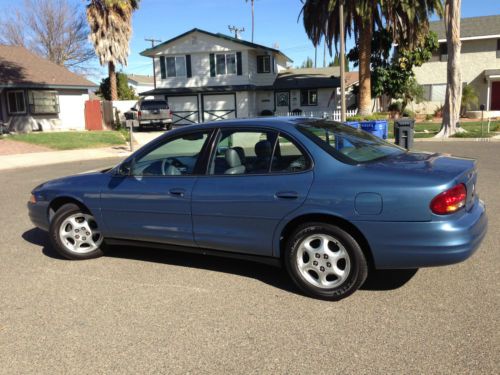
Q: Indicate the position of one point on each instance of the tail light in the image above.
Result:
(139, 114)
(450, 200)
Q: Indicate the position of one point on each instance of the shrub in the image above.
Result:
(395, 107)
(266, 112)
(428, 117)
(408, 113)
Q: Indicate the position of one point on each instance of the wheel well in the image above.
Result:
(330, 219)
(57, 203)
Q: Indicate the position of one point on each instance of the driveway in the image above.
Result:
(152, 311)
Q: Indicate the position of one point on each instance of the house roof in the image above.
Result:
(199, 89)
(141, 79)
(471, 28)
(150, 51)
(22, 68)
(309, 78)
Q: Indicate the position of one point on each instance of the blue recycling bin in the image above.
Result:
(353, 124)
(378, 128)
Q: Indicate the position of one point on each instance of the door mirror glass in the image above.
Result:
(125, 168)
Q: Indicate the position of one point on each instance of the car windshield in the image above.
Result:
(346, 143)
(154, 104)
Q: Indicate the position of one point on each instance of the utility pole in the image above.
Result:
(237, 31)
(153, 41)
(342, 63)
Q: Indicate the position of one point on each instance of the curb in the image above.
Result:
(37, 159)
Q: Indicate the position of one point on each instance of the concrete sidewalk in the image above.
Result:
(56, 157)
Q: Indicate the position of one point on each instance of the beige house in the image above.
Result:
(480, 65)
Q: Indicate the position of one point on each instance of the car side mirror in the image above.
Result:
(133, 109)
(125, 168)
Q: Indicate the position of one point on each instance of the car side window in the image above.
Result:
(176, 157)
(288, 157)
(243, 152)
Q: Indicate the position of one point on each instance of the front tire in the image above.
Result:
(74, 233)
(325, 261)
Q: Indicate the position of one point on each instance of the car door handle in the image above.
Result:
(287, 195)
(177, 192)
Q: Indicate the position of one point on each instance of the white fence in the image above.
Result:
(332, 115)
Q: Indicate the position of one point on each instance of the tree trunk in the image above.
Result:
(453, 98)
(112, 81)
(365, 51)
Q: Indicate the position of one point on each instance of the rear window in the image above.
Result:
(347, 144)
(154, 104)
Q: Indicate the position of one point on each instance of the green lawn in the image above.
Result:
(72, 140)
(430, 129)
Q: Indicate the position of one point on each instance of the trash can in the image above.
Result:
(378, 128)
(403, 132)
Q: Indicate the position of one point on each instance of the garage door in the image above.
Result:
(219, 106)
(184, 109)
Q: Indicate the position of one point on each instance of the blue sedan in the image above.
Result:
(326, 201)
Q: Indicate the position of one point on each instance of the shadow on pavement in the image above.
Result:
(378, 280)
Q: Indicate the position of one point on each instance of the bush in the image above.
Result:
(266, 112)
(395, 107)
(373, 117)
(428, 117)
(438, 112)
(408, 113)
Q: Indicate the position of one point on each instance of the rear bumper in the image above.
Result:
(426, 244)
(153, 122)
(38, 215)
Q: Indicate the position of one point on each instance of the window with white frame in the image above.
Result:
(225, 63)
(16, 102)
(43, 102)
(435, 92)
(308, 97)
(176, 66)
(264, 64)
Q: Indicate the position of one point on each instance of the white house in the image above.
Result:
(140, 83)
(479, 63)
(36, 94)
(206, 76)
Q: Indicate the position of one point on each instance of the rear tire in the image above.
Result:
(74, 233)
(325, 261)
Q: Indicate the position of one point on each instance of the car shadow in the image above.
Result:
(378, 280)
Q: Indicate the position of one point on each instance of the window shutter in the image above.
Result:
(212, 65)
(272, 64)
(162, 67)
(188, 66)
(260, 64)
(239, 69)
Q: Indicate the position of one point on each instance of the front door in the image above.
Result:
(495, 96)
(282, 100)
(153, 202)
(255, 179)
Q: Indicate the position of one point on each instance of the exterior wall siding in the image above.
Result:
(199, 47)
(476, 56)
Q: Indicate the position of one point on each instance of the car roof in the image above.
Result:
(274, 122)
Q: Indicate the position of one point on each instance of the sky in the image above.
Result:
(276, 22)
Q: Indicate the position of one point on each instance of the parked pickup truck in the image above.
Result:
(152, 113)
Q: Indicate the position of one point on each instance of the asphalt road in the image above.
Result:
(152, 311)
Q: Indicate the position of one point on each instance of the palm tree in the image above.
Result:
(110, 24)
(406, 19)
(453, 98)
